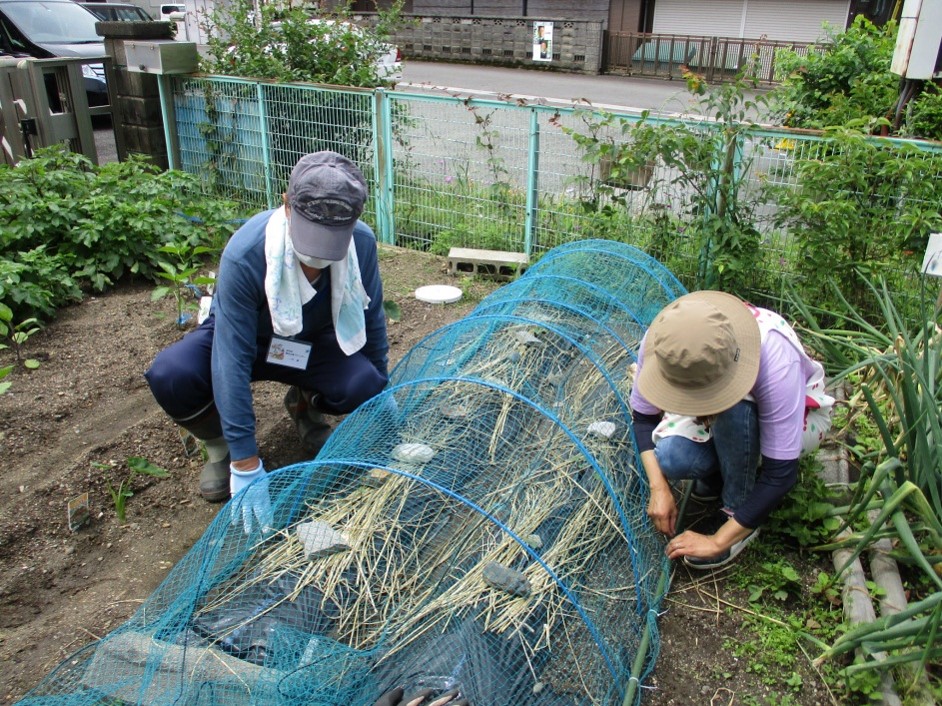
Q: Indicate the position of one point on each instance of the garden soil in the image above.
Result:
(70, 426)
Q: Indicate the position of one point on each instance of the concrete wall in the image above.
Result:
(504, 41)
(592, 10)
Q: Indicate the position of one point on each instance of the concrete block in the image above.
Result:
(136, 668)
(489, 263)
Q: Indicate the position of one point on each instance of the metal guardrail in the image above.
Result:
(717, 58)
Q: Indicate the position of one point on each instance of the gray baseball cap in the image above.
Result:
(326, 194)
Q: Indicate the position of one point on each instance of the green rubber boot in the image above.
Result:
(214, 478)
(314, 431)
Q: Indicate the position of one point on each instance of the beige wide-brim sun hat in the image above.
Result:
(701, 354)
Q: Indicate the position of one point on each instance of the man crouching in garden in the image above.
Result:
(298, 300)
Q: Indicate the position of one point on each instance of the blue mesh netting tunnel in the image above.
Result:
(479, 525)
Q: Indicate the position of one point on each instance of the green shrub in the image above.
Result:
(847, 78)
(283, 44)
(286, 44)
(863, 205)
(36, 283)
(67, 225)
(924, 117)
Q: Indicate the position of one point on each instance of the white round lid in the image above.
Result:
(438, 294)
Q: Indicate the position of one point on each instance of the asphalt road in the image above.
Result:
(104, 144)
(616, 93)
(607, 92)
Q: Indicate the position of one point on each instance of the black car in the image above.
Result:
(46, 29)
(117, 12)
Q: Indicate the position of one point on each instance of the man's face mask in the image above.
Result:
(315, 262)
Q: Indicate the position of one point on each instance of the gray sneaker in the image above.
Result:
(724, 558)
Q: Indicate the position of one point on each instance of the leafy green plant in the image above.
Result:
(487, 139)
(824, 587)
(898, 362)
(784, 624)
(137, 465)
(284, 43)
(615, 165)
(17, 335)
(119, 497)
(860, 204)
(34, 282)
(181, 271)
(392, 310)
(845, 78)
(69, 225)
(806, 515)
(775, 579)
(924, 114)
(700, 167)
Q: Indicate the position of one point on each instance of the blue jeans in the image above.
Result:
(727, 462)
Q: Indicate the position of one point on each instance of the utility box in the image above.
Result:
(919, 40)
(162, 57)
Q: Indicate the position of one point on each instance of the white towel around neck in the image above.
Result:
(288, 289)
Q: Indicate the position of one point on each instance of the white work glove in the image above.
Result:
(253, 505)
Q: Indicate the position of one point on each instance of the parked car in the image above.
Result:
(47, 29)
(173, 11)
(117, 12)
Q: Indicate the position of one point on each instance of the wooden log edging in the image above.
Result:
(858, 609)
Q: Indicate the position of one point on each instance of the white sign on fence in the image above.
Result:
(932, 262)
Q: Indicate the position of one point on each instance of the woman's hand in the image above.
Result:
(693, 544)
(663, 510)
(707, 546)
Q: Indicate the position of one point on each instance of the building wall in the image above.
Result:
(588, 10)
(626, 16)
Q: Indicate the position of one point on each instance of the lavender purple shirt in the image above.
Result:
(779, 394)
(780, 397)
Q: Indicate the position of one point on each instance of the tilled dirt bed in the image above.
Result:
(68, 428)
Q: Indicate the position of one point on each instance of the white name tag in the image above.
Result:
(287, 352)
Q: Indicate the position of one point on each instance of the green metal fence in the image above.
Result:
(500, 175)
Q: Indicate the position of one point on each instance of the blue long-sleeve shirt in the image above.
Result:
(243, 323)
